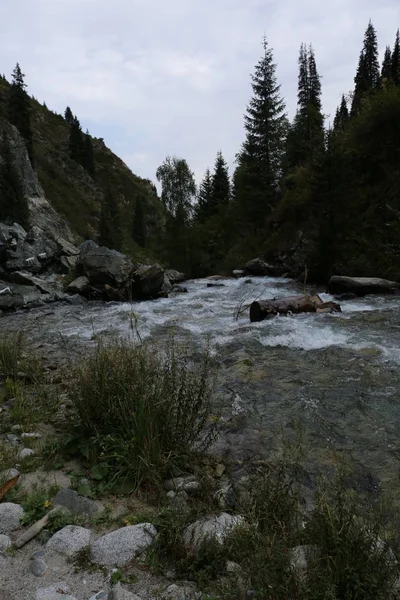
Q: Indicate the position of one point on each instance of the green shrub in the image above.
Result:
(142, 410)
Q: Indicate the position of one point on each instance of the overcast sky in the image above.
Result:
(159, 77)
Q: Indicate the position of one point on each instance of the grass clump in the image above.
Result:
(142, 410)
(10, 355)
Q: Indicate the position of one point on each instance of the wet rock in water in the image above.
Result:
(104, 266)
(120, 593)
(260, 268)
(238, 273)
(121, 546)
(38, 567)
(69, 540)
(179, 289)
(78, 505)
(361, 285)
(175, 276)
(5, 543)
(215, 528)
(10, 517)
(80, 285)
(215, 285)
(149, 281)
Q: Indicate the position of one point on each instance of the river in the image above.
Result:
(335, 378)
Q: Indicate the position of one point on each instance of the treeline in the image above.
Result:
(302, 194)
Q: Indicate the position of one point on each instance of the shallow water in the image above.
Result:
(334, 376)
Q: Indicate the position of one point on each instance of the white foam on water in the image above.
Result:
(299, 332)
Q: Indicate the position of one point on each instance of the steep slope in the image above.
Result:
(76, 195)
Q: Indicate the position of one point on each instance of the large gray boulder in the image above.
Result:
(10, 517)
(24, 278)
(215, 528)
(69, 540)
(13, 296)
(79, 285)
(150, 281)
(361, 285)
(175, 276)
(121, 546)
(33, 253)
(259, 267)
(105, 267)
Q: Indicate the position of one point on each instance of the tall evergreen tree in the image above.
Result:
(204, 197)
(342, 116)
(13, 201)
(258, 175)
(386, 72)
(68, 116)
(221, 187)
(368, 72)
(396, 60)
(88, 155)
(76, 141)
(19, 108)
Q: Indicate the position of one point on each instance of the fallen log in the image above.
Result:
(262, 309)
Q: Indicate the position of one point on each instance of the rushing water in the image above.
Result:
(335, 375)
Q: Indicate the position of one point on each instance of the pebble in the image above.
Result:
(5, 542)
(13, 439)
(25, 453)
(38, 567)
(10, 517)
(34, 436)
(100, 596)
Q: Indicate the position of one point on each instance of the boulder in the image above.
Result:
(25, 278)
(361, 285)
(121, 546)
(66, 248)
(210, 528)
(149, 281)
(259, 267)
(32, 253)
(69, 540)
(103, 266)
(79, 285)
(10, 517)
(67, 263)
(13, 296)
(239, 273)
(175, 276)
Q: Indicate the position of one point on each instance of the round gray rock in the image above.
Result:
(5, 543)
(121, 546)
(10, 517)
(69, 540)
(38, 567)
(212, 528)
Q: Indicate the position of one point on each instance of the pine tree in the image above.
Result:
(19, 109)
(341, 117)
(314, 81)
(221, 187)
(204, 198)
(139, 230)
(367, 76)
(396, 60)
(68, 116)
(258, 175)
(13, 202)
(76, 142)
(386, 72)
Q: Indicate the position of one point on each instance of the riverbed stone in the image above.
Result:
(38, 567)
(8, 474)
(25, 453)
(78, 505)
(5, 542)
(120, 593)
(120, 546)
(215, 528)
(80, 285)
(69, 540)
(189, 484)
(10, 517)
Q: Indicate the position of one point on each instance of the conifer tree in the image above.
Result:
(367, 76)
(386, 72)
(76, 142)
(68, 116)
(19, 109)
(88, 155)
(221, 187)
(204, 198)
(257, 177)
(396, 60)
(341, 117)
(13, 201)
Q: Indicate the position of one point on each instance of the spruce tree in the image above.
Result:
(88, 155)
(386, 73)
(396, 60)
(204, 198)
(19, 109)
(13, 202)
(221, 187)
(258, 175)
(68, 116)
(76, 141)
(341, 117)
(368, 72)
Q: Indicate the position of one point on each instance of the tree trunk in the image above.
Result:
(262, 309)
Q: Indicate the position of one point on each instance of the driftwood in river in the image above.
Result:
(262, 309)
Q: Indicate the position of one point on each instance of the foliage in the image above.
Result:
(19, 108)
(10, 355)
(13, 201)
(142, 410)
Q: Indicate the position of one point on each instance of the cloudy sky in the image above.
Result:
(159, 77)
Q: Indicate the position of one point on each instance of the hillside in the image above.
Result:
(76, 195)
